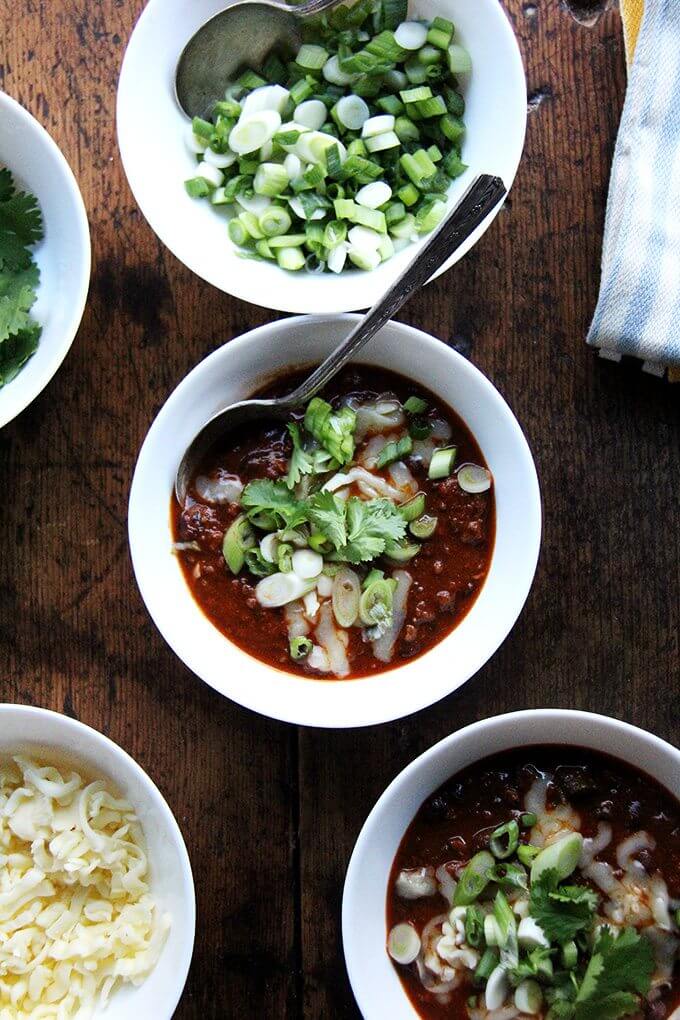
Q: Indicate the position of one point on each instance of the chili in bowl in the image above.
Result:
(527, 866)
(393, 522)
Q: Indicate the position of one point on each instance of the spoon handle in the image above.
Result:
(478, 201)
(308, 8)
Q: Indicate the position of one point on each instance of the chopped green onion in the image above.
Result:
(404, 229)
(416, 95)
(474, 879)
(402, 551)
(287, 240)
(526, 853)
(197, 187)
(311, 57)
(510, 876)
(237, 232)
(459, 59)
(379, 143)
(419, 428)
(529, 997)
(415, 405)
(250, 80)
(394, 451)
(486, 966)
(409, 195)
(442, 462)
(473, 478)
(270, 179)
(262, 248)
(430, 55)
(351, 112)
(290, 258)
(346, 597)
(375, 606)
(413, 508)
(252, 225)
(423, 527)
(440, 33)
(274, 221)
(238, 539)
(373, 575)
(391, 104)
(528, 820)
(474, 926)
(411, 35)
(504, 840)
(561, 857)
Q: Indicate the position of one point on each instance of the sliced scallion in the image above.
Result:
(473, 478)
(423, 527)
(300, 647)
(239, 537)
(504, 840)
(442, 462)
(474, 879)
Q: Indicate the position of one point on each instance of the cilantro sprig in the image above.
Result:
(20, 229)
(357, 529)
(618, 973)
(562, 911)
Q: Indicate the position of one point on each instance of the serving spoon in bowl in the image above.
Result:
(481, 197)
(242, 34)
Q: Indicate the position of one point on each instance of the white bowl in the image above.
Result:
(152, 131)
(236, 371)
(375, 982)
(24, 729)
(63, 255)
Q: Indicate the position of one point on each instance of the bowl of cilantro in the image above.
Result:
(352, 567)
(522, 866)
(44, 258)
(310, 177)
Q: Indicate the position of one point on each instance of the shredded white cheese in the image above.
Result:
(76, 916)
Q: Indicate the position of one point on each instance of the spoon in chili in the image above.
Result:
(482, 196)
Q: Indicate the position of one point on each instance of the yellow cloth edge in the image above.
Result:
(631, 13)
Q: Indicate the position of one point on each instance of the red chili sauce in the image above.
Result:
(448, 572)
(457, 820)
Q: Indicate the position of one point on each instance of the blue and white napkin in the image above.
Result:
(638, 310)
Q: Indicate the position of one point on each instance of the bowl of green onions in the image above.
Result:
(310, 183)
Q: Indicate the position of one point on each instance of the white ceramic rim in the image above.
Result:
(320, 705)
(251, 286)
(20, 396)
(369, 836)
(112, 750)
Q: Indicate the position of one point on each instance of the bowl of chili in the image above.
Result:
(388, 535)
(511, 868)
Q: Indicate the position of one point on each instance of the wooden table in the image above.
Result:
(270, 813)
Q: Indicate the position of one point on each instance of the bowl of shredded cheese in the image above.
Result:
(97, 905)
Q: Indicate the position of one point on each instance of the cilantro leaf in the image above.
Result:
(263, 495)
(620, 970)
(20, 228)
(327, 513)
(370, 525)
(300, 463)
(561, 912)
(17, 296)
(16, 350)
(7, 188)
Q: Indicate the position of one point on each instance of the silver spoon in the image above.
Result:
(482, 196)
(241, 35)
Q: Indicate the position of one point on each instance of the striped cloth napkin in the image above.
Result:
(638, 310)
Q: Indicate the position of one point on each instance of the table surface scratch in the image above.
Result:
(270, 813)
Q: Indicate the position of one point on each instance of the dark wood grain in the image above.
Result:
(270, 814)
